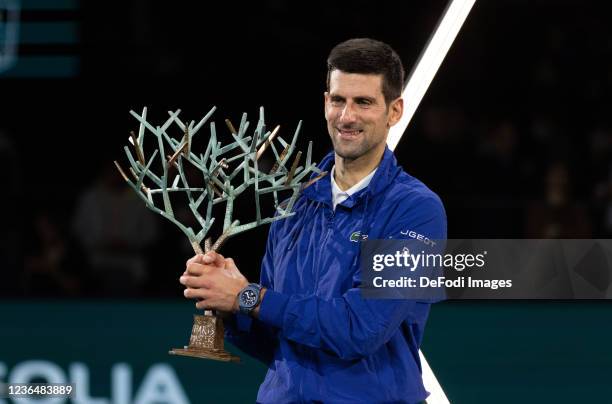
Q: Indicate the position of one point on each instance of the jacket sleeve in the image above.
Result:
(252, 336)
(350, 326)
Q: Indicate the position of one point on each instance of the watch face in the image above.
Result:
(249, 298)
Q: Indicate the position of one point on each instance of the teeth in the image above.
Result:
(350, 132)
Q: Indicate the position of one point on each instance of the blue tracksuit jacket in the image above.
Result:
(321, 340)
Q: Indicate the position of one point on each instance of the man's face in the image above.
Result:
(358, 119)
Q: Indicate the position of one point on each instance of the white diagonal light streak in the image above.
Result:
(426, 68)
(428, 64)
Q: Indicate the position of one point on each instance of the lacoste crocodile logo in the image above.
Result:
(356, 236)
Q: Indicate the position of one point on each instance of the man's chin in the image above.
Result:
(347, 153)
(355, 152)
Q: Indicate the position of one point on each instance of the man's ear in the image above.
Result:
(396, 109)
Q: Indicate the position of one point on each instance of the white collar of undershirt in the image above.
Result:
(339, 196)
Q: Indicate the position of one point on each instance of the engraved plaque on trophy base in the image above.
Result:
(206, 340)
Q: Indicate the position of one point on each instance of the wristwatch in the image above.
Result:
(249, 298)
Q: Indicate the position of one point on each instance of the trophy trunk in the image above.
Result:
(206, 340)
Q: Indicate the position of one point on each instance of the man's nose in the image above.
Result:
(348, 113)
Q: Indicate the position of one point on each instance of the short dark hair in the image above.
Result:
(369, 56)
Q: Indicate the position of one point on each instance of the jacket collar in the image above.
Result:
(385, 174)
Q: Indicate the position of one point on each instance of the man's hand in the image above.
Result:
(215, 280)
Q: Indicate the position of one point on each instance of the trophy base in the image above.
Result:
(206, 340)
(214, 354)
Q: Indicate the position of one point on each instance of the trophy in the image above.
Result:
(219, 175)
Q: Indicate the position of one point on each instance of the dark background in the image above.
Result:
(513, 134)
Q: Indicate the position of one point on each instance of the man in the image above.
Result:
(322, 341)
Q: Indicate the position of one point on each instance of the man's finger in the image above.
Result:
(205, 304)
(197, 293)
(214, 258)
(232, 269)
(228, 270)
(195, 269)
(195, 282)
(229, 263)
(198, 269)
(190, 293)
(196, 259)
(201, 305)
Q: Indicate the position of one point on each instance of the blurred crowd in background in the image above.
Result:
(515, 134)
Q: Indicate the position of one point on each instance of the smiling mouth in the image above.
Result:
(349, 134)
